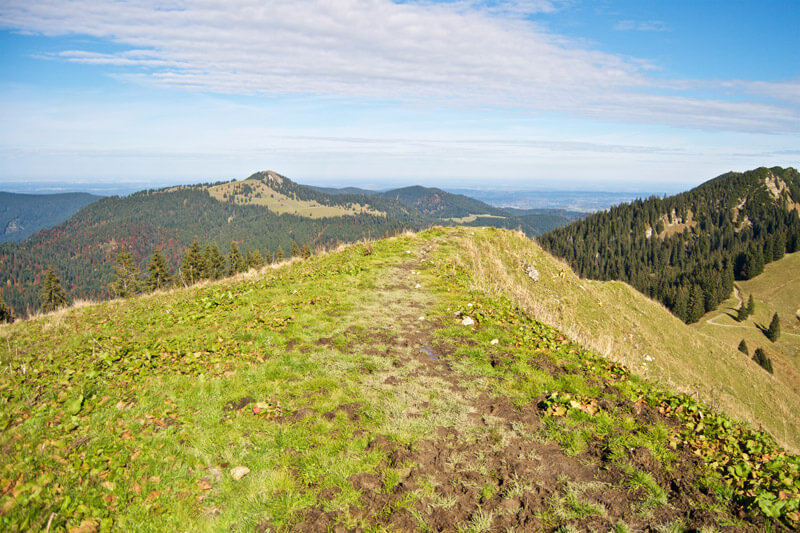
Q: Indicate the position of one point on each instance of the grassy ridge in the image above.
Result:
(381, 387)
(614, 319)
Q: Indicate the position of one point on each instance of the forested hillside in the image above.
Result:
(266, 213)
(686, 250)
(82, 251)
(22, 215)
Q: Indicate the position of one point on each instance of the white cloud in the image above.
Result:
(463, 52)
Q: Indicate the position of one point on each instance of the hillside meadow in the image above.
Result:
(408, 384)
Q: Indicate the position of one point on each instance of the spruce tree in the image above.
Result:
(128, 280)
(252, 258)
(159, 277)
(236, 262)
(742, 314)
(743, 348)
(5, 312)
(306, 251)
(696, 308)
(751, 305)
(192, 264)
(774, 330)
(278, 254)
(213, 262)
(761, 358)
(52, 294)
(295, 249)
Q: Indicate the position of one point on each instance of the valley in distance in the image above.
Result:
(259, 355)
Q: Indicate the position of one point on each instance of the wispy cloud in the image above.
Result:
(481, 53)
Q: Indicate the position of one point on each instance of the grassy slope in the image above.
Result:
(776, 290)
(614, 319)
(280, 203)
(378, 409)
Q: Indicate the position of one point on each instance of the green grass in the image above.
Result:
(131, 415)
(774, 291)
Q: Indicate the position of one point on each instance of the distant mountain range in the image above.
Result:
(22, 215)
(267, 212)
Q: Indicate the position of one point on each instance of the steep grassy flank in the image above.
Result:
(616, 320)
(776, 290)
(370, 389)
(255, 192)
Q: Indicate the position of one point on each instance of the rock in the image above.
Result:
(238, 472)
(467, 321)
(417, 286)
(648, 358)
(422, 318)
(495, 341)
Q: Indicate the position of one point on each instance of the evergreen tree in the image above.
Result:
(305, 251)
(295, 249)
(761, 358)
(236, 262)
(159, 277)
(696, 308)
(774, 330)
(279, 254)
(5, 312)
(252, 258)
(751, 305)
(743, 313)
(779, 248)
(213, 262)
(128, 280)
(192, 264)
(53, 296)
(743, 348)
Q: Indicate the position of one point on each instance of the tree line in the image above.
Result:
(686, 250)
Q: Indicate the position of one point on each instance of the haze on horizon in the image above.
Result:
(527, 94)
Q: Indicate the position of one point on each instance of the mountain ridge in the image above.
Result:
(399, 384)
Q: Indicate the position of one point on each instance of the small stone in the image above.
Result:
(468, 321)
(238, 472)
(495, 341)
(648, 358)
(422, 318)
(417, 286)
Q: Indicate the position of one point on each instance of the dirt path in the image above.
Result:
(492, 470)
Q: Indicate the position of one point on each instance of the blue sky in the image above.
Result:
(622, 95)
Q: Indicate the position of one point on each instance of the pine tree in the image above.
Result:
(295, 249)
(53, 296)
(742, 314)
(305, 251)
(236, 262)
(5, 312)
(252, 258)
(774, 330)
(192, 264)
(128, 280)
(761, 358)
(743, 348)
(213, 262)
(159, 272)
(696, 307)
(751, 305)
(278, 254)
